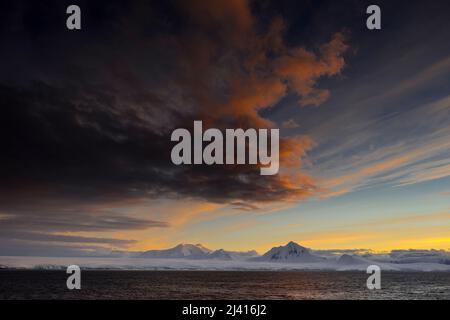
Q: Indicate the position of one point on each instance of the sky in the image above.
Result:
(364, 118)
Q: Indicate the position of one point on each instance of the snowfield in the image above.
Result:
(50, 263)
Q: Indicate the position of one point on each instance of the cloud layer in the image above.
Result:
(87, 117)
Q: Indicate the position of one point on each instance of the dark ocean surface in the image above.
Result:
(40, 284)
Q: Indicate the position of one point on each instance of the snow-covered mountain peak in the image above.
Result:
(295, 247)
(195, 251)
(291, 252)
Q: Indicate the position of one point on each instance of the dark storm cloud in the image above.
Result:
(44, 217)
(14, 247)
(42, 237)
(91, 113)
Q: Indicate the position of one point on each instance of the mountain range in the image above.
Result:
(291, 256)
(290, 253)
(196, 251)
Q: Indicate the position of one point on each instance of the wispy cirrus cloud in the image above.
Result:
(419, 151)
